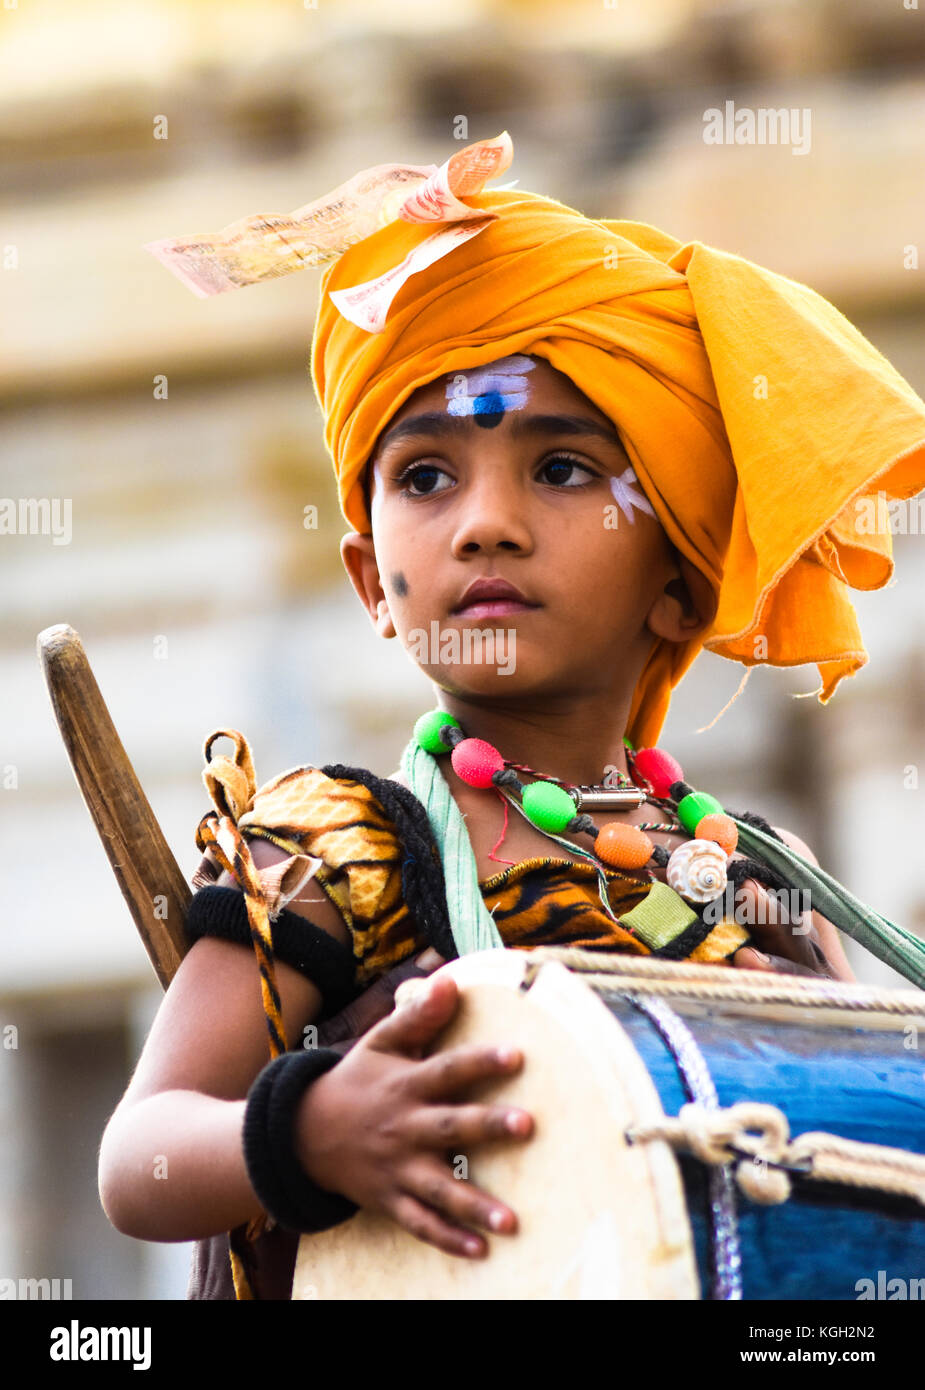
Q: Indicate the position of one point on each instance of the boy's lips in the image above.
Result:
(493, 608)
(487, 598)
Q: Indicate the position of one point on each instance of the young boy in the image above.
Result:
(479, 468)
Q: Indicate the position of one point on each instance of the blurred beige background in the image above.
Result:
(201, 599)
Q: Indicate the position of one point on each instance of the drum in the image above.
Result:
(617, 1198)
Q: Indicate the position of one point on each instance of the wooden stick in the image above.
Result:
(150, 878)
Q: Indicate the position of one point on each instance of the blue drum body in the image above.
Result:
(827, 1241)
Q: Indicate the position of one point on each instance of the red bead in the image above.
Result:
(658, 768)
(475, 761)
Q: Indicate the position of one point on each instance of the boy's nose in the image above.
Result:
(492, 516)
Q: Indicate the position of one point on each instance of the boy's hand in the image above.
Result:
(341, 1032)
(384, 1126)
(788, 948)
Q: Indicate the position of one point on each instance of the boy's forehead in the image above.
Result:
(529, 379)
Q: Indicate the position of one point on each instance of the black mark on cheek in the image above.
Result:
(400, 585)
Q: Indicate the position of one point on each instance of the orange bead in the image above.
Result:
(721, 829)
(622, 846)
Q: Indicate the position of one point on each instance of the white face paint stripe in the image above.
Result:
(507, 400)
(505, 378)
(626, 498)
(480, 385)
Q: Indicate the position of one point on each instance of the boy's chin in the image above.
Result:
(467, 659)
(488, 682)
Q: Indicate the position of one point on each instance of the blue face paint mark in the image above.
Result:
(488, 410)
(488, 392)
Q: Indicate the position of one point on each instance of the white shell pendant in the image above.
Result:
(697, 870)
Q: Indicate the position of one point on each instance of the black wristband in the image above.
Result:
(285, 1190)
(328, 963)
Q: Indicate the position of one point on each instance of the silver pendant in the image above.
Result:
(606, 798)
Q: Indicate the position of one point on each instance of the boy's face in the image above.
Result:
(508, 472)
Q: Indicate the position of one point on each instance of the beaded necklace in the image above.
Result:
(695, 870)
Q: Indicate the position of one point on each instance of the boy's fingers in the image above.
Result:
(422, 1008)
(376, 1002)
(412, 991)
(361, 1013)
(774, 934)
(424, 1223)
(447, 1190)
(445, 1074)
(452, 1127)
(762, 909)
(750, 958)
(781, 945)
(357, 1017)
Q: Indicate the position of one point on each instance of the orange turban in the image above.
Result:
(754, 413)
(765, 430)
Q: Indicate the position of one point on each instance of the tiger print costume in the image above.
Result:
(336, 831)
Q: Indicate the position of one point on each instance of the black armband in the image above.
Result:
(284, 1188)
(328, 963)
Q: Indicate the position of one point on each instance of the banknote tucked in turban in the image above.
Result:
(767, 433)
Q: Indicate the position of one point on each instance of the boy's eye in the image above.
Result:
(425, 475)
(561, 470)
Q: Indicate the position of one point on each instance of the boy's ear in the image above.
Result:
(685, 607)
(359, 556)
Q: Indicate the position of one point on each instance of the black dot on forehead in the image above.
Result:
(400, 584)
(488, 410)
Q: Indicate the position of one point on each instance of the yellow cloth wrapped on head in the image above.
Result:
(754, 413)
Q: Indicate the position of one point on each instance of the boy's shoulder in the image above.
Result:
(310, 797)
(336, 812)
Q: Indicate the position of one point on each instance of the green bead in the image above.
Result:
(693, 807)
(549, 807)
(427, 730)
(628, 744)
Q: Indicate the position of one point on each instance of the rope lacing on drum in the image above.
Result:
(719, 984)
(758, 1137)
(695, 1074)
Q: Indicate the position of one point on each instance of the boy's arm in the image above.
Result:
(171, 1159)
(377, 1127)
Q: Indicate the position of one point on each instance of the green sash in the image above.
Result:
(894, 945)
(473, 925)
